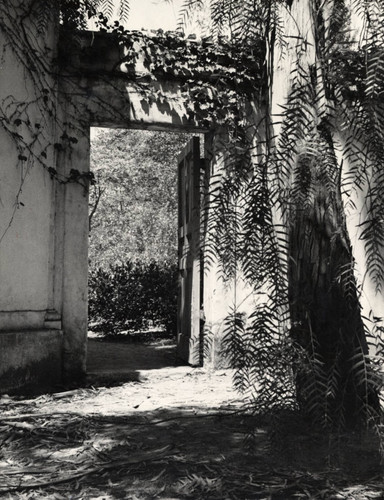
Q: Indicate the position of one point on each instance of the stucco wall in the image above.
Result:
(44, 222)
(27, 207)
(26, 211)
(298, 25)
(30, 360)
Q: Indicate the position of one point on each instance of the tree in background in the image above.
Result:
(133, 206)
(133, 230)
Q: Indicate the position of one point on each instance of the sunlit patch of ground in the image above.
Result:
(168, 432)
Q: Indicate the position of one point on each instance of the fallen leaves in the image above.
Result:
(194, 483)
(50, 447)
(53, 476)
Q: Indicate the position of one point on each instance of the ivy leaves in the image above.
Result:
(75, 13)
(213, 77)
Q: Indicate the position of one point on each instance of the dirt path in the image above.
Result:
(146, 428)
(127, 357)
(161, 382)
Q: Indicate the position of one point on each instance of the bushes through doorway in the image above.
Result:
(134, 296)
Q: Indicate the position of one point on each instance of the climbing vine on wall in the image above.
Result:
(226, 85)
(214, 77)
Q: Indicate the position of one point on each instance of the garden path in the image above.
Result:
(145, 428)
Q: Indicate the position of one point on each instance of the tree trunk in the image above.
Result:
(333, 383)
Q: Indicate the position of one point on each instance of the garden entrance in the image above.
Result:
(145, 279)
(92, 79)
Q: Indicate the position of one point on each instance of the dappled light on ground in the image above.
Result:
(174, 433)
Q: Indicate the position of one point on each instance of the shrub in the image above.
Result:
(133, 296)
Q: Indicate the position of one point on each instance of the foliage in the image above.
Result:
(133, 206)
(277, 212)
(133, 296)
(76, 13)
(279, 217)
(214, 78)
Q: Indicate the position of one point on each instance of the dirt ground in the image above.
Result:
(145, 427)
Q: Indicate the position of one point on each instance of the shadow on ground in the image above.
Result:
(177, 434)
(173, 454)
(111, 362)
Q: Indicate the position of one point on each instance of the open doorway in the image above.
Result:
(144, 258)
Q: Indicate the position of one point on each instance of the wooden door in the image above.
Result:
(189, 300)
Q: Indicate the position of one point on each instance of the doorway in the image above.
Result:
(144, 220)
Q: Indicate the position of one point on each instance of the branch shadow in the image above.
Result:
(111, 363)
(168, 453)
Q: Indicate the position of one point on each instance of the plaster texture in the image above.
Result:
(31, 346)
(44, 224)
(30, 361)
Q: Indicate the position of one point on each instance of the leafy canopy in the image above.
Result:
(136, 195)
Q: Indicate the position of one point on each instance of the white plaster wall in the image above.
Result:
(371, 295)
(221, 296)
(24, 249)
(74, 258)
(30, 337)
(26, 203)
(220, 299)
(299, 27)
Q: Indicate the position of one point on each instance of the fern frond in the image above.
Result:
(107, 7)
(188, 7)
(42, 16)
(124, 10)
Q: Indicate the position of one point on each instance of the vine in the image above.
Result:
(280, 351)
(214, 78)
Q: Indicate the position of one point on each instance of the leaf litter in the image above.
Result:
(177, 433)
